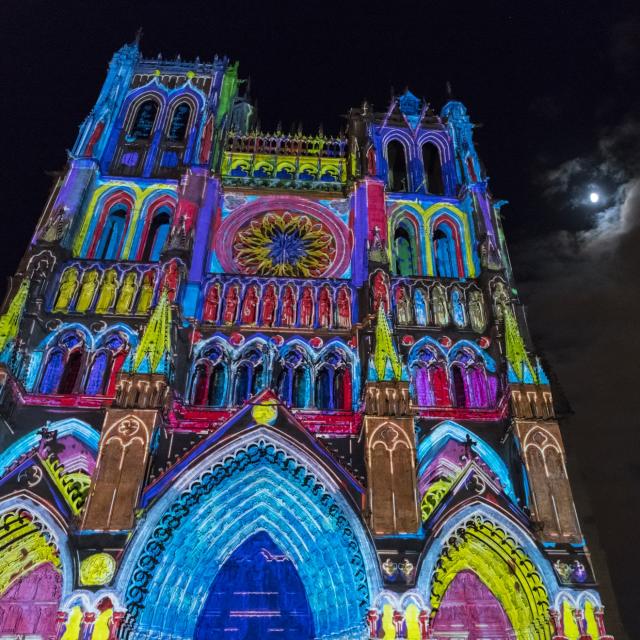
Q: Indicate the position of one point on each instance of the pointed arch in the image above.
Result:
(397, 166)
(502, 553)
(211, 509)
(430, 446)
(83, 432)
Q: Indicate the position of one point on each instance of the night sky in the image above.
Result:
(556, 87)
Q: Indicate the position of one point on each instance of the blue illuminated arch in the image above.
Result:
(489, 362)
(430, 446)
(69, 427)
(261, 484)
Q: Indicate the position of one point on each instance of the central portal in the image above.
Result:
(256, 594)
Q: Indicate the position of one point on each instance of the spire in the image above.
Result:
(520, 366)
(154, 349)
(385, 357)
(10, 321)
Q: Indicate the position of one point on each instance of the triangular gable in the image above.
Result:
(253, 415)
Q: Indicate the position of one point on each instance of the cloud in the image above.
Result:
(580, 286)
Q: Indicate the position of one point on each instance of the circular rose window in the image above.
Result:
(284, 244)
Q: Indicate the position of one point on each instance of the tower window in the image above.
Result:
(446, 253)
(144, 120)
(179, 122)
(157, 236)
(112, 235)
(405, 250)
(397, 178)
(432, 169)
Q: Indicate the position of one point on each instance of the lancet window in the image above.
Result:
(432, 169)
(250, 375)
(405, 249)
(430, 379)
(179, 122)
(397, 176)
(209, 383)
(446, 250)
(63, 362)
(144, 120)
(294, 382)
(157, 236)
(113, 233)
(333, 388)
(105, 364)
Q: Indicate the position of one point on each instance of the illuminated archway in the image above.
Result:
(266, 485)
(493, 555)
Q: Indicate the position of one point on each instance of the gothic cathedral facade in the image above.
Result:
(274, 385)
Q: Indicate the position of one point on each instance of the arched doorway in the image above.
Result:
(204, 520)
(256, 594)
(469, 610)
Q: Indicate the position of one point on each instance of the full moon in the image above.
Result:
(594, 197)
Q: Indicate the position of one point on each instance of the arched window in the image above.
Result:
(112, 234)
(446, 251)
(404, 250)
(249, 377)
(179, 122)
(333, 382)
(471, 383)
(432, 169)
(293, 386)
(217, 385)
(199, 385)
(157, 236)
(323, 389)
(63, 364)
(209, 381)
(144, 119)
(397, 177)
(459, 395)
(105, 365)
(429, 377)
(97, 374)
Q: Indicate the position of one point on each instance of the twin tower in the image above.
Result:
(277, 385)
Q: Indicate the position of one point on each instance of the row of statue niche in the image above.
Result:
(113, 294)
(433, 308)
(269, 309)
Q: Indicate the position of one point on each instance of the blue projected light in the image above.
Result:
(257, 594)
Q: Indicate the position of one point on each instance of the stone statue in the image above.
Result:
(403, 306)
(288, 308)
(269, 304)
(146, 292)
(457, 309)
(108, 292)
(420, 306)
(324, 308)
(231, 302)
(306, 308)
(68, 286)
(477, 312)
(380, 292)
(250, 306)
(440, 310)
(127, 293)
(211, 304)
(171, 281)
(344, 309)
(501, 299)
(88, 289)
(56, 226)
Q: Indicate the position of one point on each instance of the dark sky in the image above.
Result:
(556, 86)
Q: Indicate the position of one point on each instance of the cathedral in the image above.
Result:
(277, 385)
